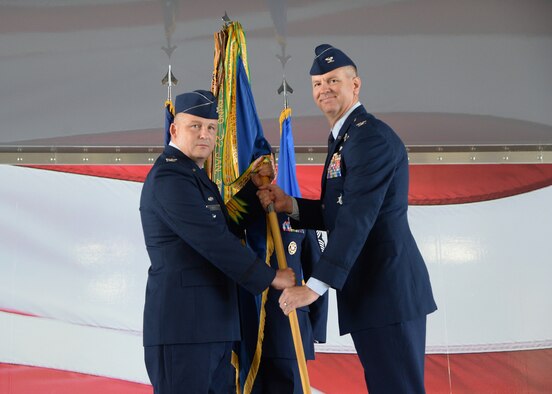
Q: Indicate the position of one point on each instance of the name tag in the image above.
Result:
(334, 169)
(213, 207)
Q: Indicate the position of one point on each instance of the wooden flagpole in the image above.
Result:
(293, 320)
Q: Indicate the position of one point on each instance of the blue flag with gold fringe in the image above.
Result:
(240, 140)
(240, 137)
(251, 141)
(287, 178)
(169, 118)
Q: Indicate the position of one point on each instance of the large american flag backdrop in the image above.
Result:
(73, 268)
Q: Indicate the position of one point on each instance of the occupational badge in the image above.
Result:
(292, 248)
(340, 199)
(322, 238)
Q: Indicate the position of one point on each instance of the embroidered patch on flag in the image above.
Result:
(334, 169)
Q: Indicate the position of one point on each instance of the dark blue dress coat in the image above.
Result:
(371, 259)
(196, 260)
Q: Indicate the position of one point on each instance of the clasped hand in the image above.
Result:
(296, 297)
(269, 194)
(262, 171)
(284, 278)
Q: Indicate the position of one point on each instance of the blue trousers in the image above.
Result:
(393, 357)
(202, 368)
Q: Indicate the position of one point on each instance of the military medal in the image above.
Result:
(334, 169)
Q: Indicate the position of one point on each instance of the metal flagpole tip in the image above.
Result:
(169, 79)
(226, 19)
(284, 87)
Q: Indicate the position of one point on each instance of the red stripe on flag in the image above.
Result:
(21, 379)
(429, 184)
(136, 173)
(525, 371)
(457, 184)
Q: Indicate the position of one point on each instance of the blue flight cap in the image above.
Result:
(200, 103)
(329, 58)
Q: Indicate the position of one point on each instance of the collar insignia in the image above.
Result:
(361, 123)
(171, 159)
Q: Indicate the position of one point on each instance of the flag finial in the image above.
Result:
(284, 88)
(226, 19)
(169, 81)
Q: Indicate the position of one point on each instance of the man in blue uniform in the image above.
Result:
(372, 260)
(191, 312)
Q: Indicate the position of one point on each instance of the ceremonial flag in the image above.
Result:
(240, 141)
(240, 137)
(287, 178)
(169, 118)
(315, 240)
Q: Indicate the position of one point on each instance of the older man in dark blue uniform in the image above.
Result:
(383, 288)
(191, 312)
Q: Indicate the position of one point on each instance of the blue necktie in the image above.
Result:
(331, 140)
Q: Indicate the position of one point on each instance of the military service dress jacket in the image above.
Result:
(371, 258)
(196, 261)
